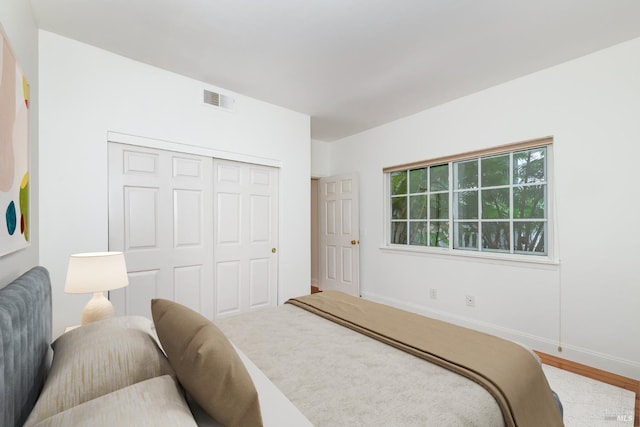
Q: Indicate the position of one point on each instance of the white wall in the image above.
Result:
(591, 301)
(87, 92)
(18, 23)
(320, 158)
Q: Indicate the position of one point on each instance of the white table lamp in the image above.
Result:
(95, 273)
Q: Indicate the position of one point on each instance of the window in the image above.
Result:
(420, 206)
(495, 201)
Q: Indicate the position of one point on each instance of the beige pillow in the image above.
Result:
(154, 402)
(96, 359)
(207, 365)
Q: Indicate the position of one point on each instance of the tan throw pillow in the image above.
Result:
(154, 402)
(96, 359)
(207, 365)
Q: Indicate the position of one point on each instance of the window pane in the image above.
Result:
(418, 207)
(495, 204)
(529, 237)
(418, 180)
(399, 233)
(439, 234)
(439, 206)
(528, 202)
(399, 208)
(495, 171)
(529, 166)
(467, 205)
(439, 178)
(495, 236)
(419, 233)
(466, 174)
(466, 236)
(399, 182)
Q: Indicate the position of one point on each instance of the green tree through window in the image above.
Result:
(494, 203)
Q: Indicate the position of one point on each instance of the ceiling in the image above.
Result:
(350, 64)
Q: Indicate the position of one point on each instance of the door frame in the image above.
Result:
(315, 229)
(160, 144)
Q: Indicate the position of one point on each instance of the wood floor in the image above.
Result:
(596, 374)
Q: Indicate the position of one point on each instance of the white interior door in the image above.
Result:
(160, 216)
(245, 234)
(339, 235)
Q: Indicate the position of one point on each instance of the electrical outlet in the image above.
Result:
(470, 300)
(433, 293)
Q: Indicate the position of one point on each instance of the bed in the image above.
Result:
(303, 366)
(349, 371)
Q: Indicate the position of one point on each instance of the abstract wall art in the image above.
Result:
(14, 152)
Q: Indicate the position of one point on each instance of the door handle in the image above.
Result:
(355, 242)
(273, 250)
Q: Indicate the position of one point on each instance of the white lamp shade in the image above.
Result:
(96, 272)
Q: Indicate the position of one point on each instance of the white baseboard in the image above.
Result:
(606, 362)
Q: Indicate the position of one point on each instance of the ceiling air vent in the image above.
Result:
(218, 100)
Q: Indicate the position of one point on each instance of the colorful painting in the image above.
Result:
(14, 152)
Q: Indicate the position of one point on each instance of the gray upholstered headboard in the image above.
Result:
(25, 335)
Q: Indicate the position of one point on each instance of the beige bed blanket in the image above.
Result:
(508, 371)
(338, 377)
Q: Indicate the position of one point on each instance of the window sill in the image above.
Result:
(489, 257)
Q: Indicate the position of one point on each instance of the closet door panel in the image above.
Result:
(160, 216)
(246, 200)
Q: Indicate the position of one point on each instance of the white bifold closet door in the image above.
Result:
(246, 228)
(163, 216)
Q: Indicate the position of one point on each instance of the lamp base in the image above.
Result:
(98, 308)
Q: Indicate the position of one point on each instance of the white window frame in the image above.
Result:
(550, 232)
